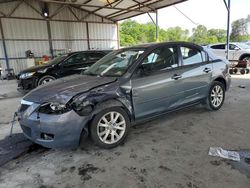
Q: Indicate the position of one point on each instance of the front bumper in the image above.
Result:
(26, 84)
(53, 131)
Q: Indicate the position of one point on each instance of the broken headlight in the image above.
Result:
(54, 108)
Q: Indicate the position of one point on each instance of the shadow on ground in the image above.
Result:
(15, 146)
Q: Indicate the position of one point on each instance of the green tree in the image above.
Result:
(176, 34)
(240, 30)
(219, 34)
(200, 35)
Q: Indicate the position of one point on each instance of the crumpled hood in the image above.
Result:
(63, 89)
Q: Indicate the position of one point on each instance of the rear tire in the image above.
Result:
(110, 127)
(216, 96)
(45, 79)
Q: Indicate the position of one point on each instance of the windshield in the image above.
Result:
(115, 64)
(56, 60)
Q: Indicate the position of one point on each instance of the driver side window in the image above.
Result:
(161, 59)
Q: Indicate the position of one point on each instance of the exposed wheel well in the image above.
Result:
(221, 80)
(243, 56)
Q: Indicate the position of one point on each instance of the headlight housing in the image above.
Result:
(54, 108)
(27, 75)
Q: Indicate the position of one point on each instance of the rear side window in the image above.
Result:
(218, 47)
(191, 56)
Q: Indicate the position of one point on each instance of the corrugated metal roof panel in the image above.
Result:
(6, 8)
(25, 11)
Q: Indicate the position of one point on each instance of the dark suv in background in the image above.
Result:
(65, 65)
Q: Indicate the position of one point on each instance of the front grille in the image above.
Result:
(26, 130)
(24, 107)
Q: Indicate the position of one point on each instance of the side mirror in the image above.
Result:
(236, 48)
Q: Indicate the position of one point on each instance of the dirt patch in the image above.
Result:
(86, 171)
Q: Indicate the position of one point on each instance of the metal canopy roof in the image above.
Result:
(117, 10)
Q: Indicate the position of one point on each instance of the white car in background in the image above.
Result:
(237, 51)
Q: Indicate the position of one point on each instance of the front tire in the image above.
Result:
(216, 96)
(109, 127)
(45, 79)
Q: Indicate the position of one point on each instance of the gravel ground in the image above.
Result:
(171, 151)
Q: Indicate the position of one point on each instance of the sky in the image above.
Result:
(211, 13)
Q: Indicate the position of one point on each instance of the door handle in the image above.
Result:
(176, 76)
(207, 70)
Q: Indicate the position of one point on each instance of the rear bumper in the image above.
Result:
(228, 81)
(54, 131)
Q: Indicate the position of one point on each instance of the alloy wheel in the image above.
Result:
(217, 96)
(111, 127)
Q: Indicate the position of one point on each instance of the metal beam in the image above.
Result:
(4, 46)
(82, 9)
(110, 16)
(50, 39)
(58, 20)
(14, 9)
(32, 7)
(90, 6)
(129, 9)
(87, 31)
(91, 12)
(71, 10)
(228, 6)
(156, 26)
(57, 11)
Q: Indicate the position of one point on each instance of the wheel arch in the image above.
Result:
(221, 80)
(244, 55)
(115, 102)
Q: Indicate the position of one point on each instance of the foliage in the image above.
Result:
(132, 32)
(240, 30)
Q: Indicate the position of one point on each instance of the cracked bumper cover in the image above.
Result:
(66, 128)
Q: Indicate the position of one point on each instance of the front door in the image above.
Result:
(75, 64)
(155, 84)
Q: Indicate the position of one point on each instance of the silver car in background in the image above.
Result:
(124, 88)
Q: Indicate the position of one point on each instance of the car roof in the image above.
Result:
(95, 51)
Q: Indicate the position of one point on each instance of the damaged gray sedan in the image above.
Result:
(127, 86)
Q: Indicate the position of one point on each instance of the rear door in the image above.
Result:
(155, 84)
(196, 73)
